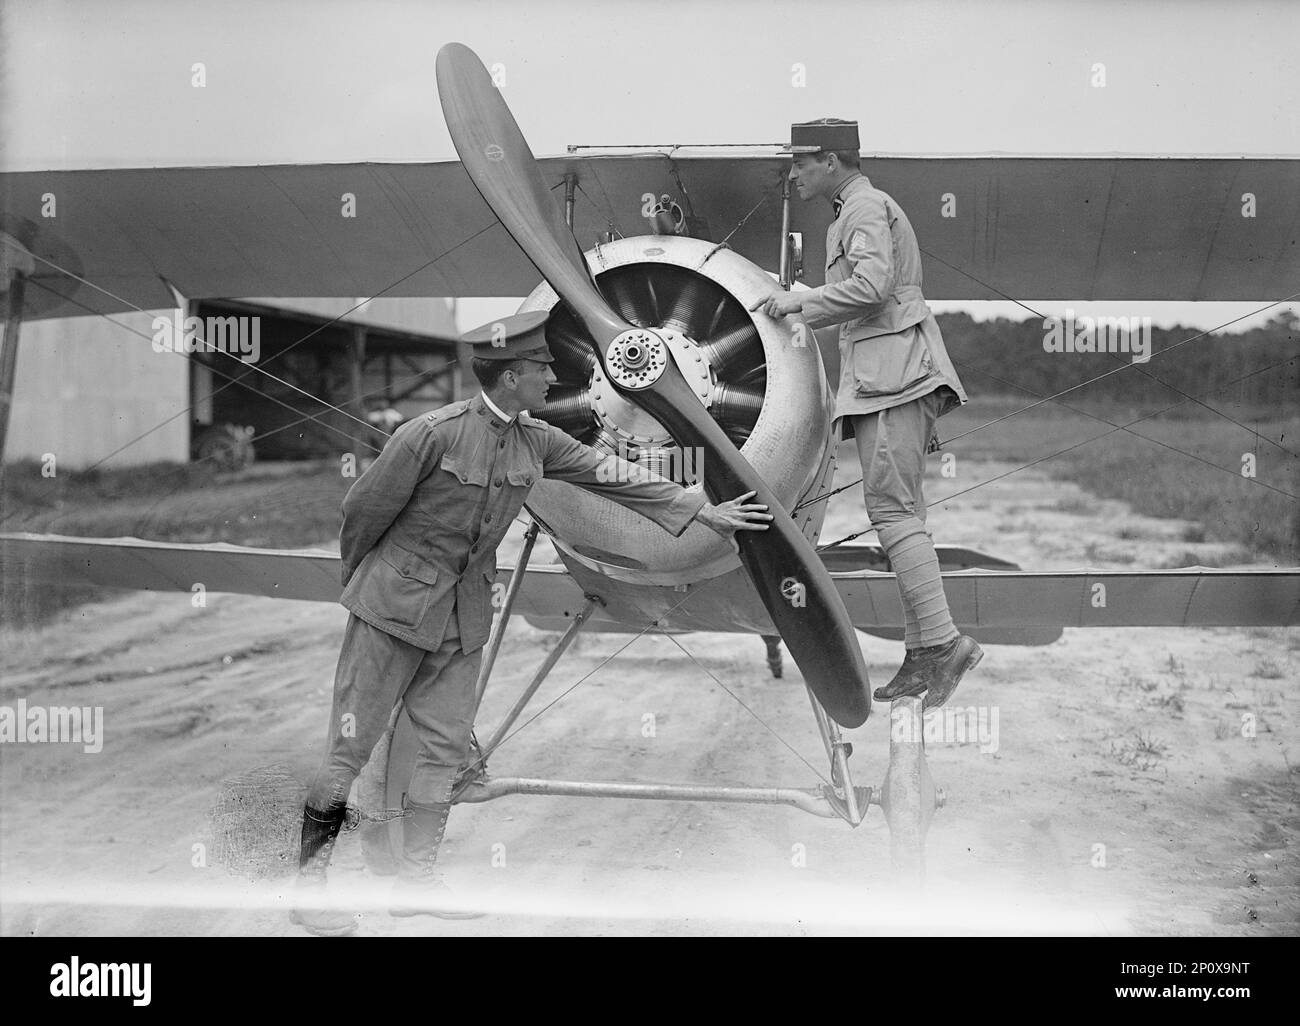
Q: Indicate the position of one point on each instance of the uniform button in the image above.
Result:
(487, 519)
(502, 444)
(528, 479)
(473, 548)
(496, 483)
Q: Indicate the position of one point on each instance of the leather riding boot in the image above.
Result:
(946, 667)
(935, 671)
(419, 888)
(904, 683)
(320, 830)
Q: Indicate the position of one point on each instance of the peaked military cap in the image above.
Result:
(520, 336)
(823, 134)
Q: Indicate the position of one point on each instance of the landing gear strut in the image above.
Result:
(773, 643)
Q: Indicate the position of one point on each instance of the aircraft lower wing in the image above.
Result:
(138, 565)
(1016, 606)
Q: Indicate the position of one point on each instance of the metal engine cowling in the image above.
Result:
(762, 381)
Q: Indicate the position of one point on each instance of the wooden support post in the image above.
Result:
(784, 276)
(570, 180)
(356, 363)
(9, 355)
(466, 384)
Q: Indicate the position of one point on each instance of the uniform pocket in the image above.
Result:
(889, 364)
(519, 482)
(459, 504)
(411, 564)
(399, 588)
(465, 471)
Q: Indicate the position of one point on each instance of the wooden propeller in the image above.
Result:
(790, 579)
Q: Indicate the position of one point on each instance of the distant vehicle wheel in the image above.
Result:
(226, 446)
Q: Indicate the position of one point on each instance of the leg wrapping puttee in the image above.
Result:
(911, 555)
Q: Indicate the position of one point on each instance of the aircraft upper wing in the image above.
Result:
(1075, 228)
(1193, 597)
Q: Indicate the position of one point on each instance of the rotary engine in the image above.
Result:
(761, 381)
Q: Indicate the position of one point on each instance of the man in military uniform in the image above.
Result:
(896, 380)
(420, 531)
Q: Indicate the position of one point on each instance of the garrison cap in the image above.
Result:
(823, 134)
(520, 336)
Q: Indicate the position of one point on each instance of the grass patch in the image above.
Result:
(268, 505)
(1141, 751)
(1077, 506)
(1232, 556)
(1202, 483)
(291, 505)
(1268, 669)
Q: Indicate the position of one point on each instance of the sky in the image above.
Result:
(94, 84)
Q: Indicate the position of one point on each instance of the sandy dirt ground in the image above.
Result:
(1138, 781)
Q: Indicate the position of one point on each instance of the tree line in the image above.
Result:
(1259, 367)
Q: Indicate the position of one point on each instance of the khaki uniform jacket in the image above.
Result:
(891, 350)
(421, 526)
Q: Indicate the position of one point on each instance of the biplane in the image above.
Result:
(658, 353)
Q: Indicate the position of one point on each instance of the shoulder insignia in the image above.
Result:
(449, 412)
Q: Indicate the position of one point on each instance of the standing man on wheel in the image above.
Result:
(896, 381)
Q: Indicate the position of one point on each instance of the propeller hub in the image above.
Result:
(636, 358)
(625, 420)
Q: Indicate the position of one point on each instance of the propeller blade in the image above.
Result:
(504, 170)
(789, 577)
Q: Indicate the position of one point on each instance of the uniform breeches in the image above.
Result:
(375, 670)
(891, 448)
